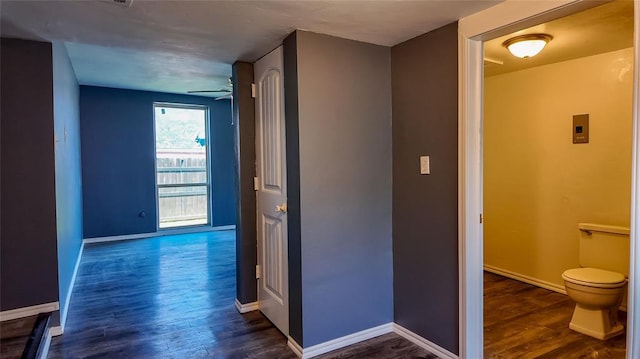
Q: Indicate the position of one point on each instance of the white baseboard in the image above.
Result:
(163, 233)
(341, 342)
(294, 346)
(29, 311)
(248, 307)
(56, 331)
(423, 343)
(526, 279)
(65, 309)
(45, 346)
(331, 345)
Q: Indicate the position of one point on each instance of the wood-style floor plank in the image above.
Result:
(173, 297)
(524, 321)
(14, 335)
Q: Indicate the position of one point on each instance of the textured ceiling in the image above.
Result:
(594, 31)
(175, 46)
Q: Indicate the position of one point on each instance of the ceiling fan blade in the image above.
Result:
(225, 97)
(208, 91)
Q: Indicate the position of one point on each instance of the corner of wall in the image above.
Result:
(290, 53)
(68, 176)
(244, 119)
(425, 214)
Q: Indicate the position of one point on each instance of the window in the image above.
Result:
(182, 165)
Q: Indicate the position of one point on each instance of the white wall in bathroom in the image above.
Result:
(538, 185)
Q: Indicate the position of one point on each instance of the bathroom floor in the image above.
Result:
(525, 321)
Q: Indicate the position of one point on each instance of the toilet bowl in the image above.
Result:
(598, 294)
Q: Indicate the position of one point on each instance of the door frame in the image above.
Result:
(496, 21)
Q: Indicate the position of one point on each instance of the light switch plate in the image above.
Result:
(424, 165)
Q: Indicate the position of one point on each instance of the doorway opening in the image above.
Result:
(544, 180)
(474, 30)
(183, 179)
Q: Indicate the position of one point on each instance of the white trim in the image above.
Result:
(526, 279)
(248, 307)
(119, 238)
(65, 309)
(422, 342)
(45, 345)
(56, 331)
(162, 233)
(633, 319)
(338, 343)
(367, 334)
(29, 311)
(503, 18)
(295, 347)
(470, 241)
(512, 15)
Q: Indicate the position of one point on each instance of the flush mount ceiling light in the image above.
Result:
(525, 46)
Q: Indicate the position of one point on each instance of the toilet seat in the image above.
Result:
(593, 277)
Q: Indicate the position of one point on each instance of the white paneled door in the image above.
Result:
(273, 282)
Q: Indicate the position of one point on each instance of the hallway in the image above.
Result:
(173, 297)
(169, 297)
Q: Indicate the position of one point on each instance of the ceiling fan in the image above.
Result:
(226, 91)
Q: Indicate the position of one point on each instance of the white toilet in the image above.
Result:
(599, 286)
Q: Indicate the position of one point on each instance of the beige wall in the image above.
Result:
(538, 185)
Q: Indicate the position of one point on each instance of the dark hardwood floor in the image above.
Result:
(173, 297)
(14, 335)
(524, 321)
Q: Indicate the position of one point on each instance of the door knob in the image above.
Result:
(281, 208)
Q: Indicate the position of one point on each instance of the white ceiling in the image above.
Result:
(176, 46)
(601, 29)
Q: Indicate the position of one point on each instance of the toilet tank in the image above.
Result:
(604, 247)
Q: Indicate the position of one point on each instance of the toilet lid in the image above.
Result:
(593, 276)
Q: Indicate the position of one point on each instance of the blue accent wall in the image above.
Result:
(66, 112)
(28, 259)
(118, 171)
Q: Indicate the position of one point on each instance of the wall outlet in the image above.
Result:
(424, 165)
